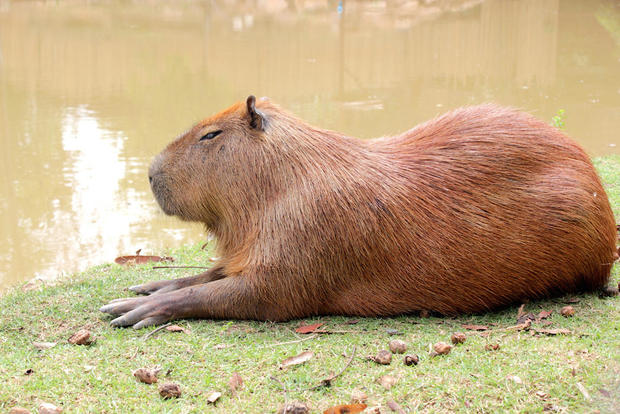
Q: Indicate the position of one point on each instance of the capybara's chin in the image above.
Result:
(163, 196)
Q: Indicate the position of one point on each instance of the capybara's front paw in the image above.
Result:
(139, 312)
(150, 288)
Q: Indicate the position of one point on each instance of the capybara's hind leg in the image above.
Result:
(163, 286)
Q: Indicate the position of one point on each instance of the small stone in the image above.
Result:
(358, 396)
(47, 408)
(567, 311)
(387, 381)
(397, 346)
(81, 337)
(169, 390)
(458, 338)
(411, 359)
(294, 407)
(383, 357)
(442, 348)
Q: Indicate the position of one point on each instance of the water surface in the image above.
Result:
(91, 90)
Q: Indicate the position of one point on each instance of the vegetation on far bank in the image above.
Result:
(529, 372)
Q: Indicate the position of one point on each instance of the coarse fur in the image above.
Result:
(477, 209)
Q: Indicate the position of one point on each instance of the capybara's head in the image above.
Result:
(213, 166)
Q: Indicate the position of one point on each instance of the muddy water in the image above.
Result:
(90, 91)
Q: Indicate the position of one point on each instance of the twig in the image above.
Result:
(328, 332)
(283, 388)
(180, 267)
(328, 381)
(291, 342)
(154, 331)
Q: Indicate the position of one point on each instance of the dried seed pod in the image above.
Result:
(411, 359)
(442, 348)
(358, 396)
(458, 338)
(383, 357)
(397, 346)
(146, 375)
(81, 337)
(169, 390)
(567, 311)
(294, 407)
(387, 381)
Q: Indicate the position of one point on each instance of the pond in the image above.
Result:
(90, 91)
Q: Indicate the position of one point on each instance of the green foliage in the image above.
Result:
(558, 119)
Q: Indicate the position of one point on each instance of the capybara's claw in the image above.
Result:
(144, 315)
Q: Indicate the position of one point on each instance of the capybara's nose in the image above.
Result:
(155, 167)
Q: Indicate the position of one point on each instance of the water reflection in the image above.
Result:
(90, 91)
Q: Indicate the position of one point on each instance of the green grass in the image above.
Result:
(98, 378)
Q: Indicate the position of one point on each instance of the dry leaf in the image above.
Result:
(387, 381)
(358, 396)
(411, 359)
(397, 346)
(543, 314)
(19, 410)
(306, 329)
(213, 397)
(442, 348)
(294, 407)
(47, 408)
(475, 327)
(346, 409)
(235, 382)
(41, 346)
(395, 407)
(604, 393)
(132, 260)
(572, 300)
(558, 331)
(491, 347)
(567, 311)
(176, 328)
(147, 375)
(169, 390)
(583, 391)
(222, 346)
(542, 395)
(458, 338)
(297, 359)
(383, 357)
(81, 337)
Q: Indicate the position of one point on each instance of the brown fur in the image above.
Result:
(480, 208)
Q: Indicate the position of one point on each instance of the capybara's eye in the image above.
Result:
(210, 135)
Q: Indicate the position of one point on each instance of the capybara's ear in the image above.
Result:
(257, 120)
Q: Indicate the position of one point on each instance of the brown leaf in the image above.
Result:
(81, 337)
(491, 347)
(235, 382)
(306, 329)
(176, 328)
(475, 327)
(346, 409)
(169, 390)
(132, 260)
(387, 381)
(521, 311)
(294, 407)
(297, 359)
(395, 407)
(213, 397)
(604, 393)
(47, 408)
(567, 311)
(41, 346)
(526, 317)
(558, 331)
(572, 300)
(543, 314)
(147, 375)
(383, 357)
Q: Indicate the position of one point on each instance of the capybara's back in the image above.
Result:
(477, 209)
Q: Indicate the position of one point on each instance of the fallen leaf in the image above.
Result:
(397, 346)
(543, 314)
(604, 393)
(132, 260)
(19, 410)
(387, 381)
(583, 391)
(392, 331)
(491, 347)
(235, 382)
(306, 329)
(297, 359)
(542, 395)
(47, 408)
(475, 327)
(358, 396)
(41, 346)
(147, 375)
(81, 337)
(411, 359)
(213, 397)
(169, 390)
(395, 407)
(222, 346)
(572, 300)
(442, 348)
(558, 331)
(346, 409)
(527, 317)
(458, 338)
(567, 311)
(383, 357)
(352, 321)
(294, 407)
(520, 312)
(176, 328)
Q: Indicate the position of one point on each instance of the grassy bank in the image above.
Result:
(532, 372)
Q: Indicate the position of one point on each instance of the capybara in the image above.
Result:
(477, 209)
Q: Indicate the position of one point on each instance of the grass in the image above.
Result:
(98, 378)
